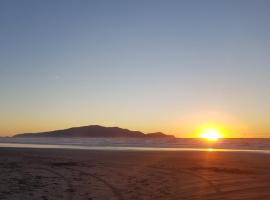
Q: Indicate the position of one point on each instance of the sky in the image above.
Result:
(148, 65)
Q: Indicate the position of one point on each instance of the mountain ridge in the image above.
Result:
(95, 131)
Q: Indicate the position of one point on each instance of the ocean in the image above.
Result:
(178, 144)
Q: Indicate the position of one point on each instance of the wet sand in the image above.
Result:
(51, 174)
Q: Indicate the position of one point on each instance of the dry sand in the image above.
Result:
(31, 174)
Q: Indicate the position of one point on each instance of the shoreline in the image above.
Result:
(127, 148)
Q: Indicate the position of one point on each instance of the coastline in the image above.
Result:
(127, 148)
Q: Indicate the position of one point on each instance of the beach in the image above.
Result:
(49, 174)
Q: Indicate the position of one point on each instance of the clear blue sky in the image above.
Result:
(148, 65)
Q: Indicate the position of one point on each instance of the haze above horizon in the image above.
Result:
(178, 67)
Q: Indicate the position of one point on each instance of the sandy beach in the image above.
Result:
(125, 175)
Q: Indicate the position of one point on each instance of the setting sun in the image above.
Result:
(211, 134)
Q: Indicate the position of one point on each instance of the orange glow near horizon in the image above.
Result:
(211, 134)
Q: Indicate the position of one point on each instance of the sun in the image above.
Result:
(211, 134)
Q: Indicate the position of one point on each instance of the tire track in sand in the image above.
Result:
(68, 182)
(117, 194)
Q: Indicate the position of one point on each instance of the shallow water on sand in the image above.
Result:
(243, 145)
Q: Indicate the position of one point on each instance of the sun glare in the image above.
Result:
(211, 134)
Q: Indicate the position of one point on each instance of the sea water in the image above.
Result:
(171, 144)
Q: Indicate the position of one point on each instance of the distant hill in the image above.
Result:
(95, 131)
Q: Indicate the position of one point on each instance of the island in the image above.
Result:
(95, 131)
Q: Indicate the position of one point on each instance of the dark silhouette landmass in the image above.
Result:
(96, 131)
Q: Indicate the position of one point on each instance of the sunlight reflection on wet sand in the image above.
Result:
(122, 148)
